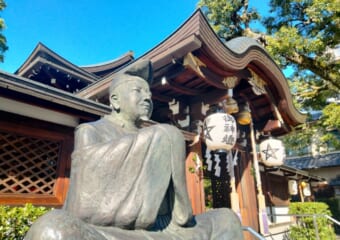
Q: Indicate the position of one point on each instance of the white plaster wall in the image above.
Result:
(278, 219)
(327, 173)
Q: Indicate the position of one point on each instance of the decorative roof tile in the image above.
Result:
(319, 161)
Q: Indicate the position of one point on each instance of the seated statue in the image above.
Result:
(128, 182)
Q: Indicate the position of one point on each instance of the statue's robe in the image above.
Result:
(131, 185)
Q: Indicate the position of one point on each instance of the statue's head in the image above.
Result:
(130, 94)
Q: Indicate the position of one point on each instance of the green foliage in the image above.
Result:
(208, 194)
(309, 92)
(229, 19)
(297, 141)
(334, 206)
(3, 42)
(301, 33)
(330, 121)
(197, 165)
(322, 133)
(331, 115)
(15, 221)
(305, 227)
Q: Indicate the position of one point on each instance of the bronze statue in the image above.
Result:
(128, 182)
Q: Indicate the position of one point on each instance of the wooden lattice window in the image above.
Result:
(27, 165)
(33, 166)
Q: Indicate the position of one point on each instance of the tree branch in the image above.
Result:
(328, 74)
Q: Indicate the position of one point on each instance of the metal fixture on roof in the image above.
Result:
(194, 63)
(258, 85)
(230, 104)
(164, 81)
(244, 116)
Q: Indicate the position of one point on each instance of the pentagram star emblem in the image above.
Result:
(207, 130)
(270, 152)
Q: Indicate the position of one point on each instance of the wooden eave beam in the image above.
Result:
(48, 93)
(41, 61)
(159, 59)
(213, 97)
(161, 98)
(196, 66)
(175, 51)
(273, 169)
(101, 67)
(169, 71)
(184, 90)
(42, 52)
(277, 84)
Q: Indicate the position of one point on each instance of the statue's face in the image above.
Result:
(134, 99)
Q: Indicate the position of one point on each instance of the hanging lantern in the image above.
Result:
(292, 187)
(244, 116)
(220, 131)
(230, 105)
(306, 189)
(272, 152)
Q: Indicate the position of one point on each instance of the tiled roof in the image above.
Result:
(310, 162)
(239, 45)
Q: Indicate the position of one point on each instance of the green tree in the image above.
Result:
(300, 35)
(3, 42)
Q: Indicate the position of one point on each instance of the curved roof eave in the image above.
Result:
(127, 57)
(41, 50)
(235, 55)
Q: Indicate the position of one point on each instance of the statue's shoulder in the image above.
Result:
(101, 129)
(95, 125)
(89, 128)
(92, 132)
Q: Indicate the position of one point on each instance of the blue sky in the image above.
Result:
(89, 32)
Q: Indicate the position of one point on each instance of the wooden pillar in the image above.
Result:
(194, 177)
(247, 195)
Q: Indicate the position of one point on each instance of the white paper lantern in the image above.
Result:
(292, 187)
(220, 131)
(272, 152)
(306, 190)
